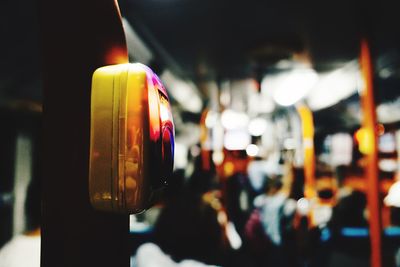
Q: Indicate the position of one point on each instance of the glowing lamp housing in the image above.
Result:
(131, 138)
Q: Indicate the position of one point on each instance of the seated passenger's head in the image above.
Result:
(351, 209)
(272, 184)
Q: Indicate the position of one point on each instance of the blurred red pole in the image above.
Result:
(204, 138)
(369, 123)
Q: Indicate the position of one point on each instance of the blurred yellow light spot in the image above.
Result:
(229, 167)
(365, 139)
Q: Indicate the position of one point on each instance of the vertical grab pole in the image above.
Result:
(369, 123)
(307, 124)
(77, 37)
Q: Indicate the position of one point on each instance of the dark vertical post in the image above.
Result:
(369, 123)
(77, 37)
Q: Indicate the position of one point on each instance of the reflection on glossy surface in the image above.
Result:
(132, 138)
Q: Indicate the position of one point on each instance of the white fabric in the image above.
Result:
(150, 255)
(233, 237)
(21, 251)
(270, 207)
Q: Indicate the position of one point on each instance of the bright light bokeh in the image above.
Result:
(231, 119)
(252, 150)
(257, 126)
(218, 157)
(291, 86)
(393, 197)
(184, 92)
(303, 206)
(180, 156)
(334, 87)
(236, 139)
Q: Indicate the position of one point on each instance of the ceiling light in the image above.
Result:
(289, 87)
(334, 87)
(184, 92)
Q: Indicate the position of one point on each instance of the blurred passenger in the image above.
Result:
(24, 250)
(296, 188)
(271, 209)
(322, 204)
(150, 255)
(350, 211)
(340, 173)
(321, 209)
(353, 179)
(202, 179)
(239, 200)
(349, 227)
(257, 170)
(188, 227)
(271, 205)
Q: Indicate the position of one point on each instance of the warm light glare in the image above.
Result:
(365, 140)
(359, 135)
(380, 129)
(164, 113)
(117, 55)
